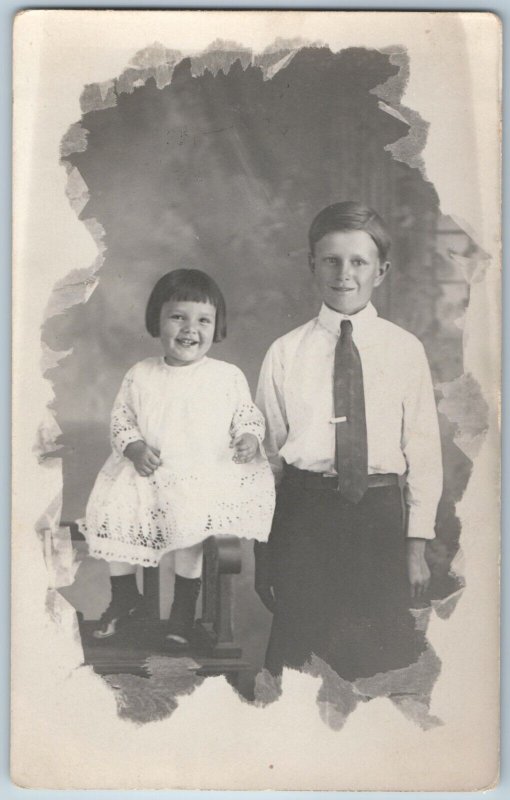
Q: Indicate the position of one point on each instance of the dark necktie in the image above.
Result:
(350, 422)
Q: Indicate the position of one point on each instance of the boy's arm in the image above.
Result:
(270, 399)
(424, 481)
(421, 445)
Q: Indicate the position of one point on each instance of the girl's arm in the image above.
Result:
(124, 432)
(247, 419)
(123, 424)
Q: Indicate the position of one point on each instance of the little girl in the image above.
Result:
(187, 458)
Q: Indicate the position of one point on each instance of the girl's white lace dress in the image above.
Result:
(191, 414)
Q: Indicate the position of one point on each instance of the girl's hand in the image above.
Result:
(417, 567)
(144, 457)
(245, 447)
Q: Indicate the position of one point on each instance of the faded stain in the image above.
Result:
(463, 404)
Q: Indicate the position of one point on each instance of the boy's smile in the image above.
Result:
(346, 267)
(186, 330)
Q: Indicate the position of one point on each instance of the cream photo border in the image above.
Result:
(66, 733)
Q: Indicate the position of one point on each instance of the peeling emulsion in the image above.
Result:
(257, 120)
(462, 403)
(156, 697)
(407, 149)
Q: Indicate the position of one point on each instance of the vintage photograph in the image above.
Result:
(257, 279)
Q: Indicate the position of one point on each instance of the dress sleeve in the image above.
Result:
(123, 424)
(421, 445)
(270, 400)
(247, 418)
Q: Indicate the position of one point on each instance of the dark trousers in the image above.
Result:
(340, 581)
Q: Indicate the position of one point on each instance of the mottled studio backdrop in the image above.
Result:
(220, 162)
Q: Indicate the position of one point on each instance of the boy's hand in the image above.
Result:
(144, 457)
(245, 447)
(417, 567)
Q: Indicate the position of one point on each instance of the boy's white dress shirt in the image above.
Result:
(295, 393)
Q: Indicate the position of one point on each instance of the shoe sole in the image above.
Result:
(121, 621)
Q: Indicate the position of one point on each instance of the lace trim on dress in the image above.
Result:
(248, 419)
(137, 519)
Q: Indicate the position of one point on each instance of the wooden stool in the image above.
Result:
(215, 650)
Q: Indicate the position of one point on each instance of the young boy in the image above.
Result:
(351, 416)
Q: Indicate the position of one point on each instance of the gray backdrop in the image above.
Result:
(223, 169)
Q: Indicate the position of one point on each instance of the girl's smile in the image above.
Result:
(186, 331)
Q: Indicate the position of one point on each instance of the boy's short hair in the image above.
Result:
(191, 285)
(350, 216)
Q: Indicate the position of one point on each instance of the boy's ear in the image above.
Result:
(311, 262)
(384, 268)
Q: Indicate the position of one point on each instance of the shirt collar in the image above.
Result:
(361, 322)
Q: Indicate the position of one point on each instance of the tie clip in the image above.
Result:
(334, 420)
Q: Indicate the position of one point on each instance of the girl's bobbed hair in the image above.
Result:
(186, 284)
(350, 216)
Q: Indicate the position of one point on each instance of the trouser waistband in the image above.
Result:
(315, 480)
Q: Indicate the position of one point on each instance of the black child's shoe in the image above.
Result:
(115, 617)
(125, 604)
(182, 614)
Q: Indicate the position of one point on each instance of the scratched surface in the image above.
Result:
(220, 161)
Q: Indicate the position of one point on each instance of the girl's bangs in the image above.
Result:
(193, 294)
